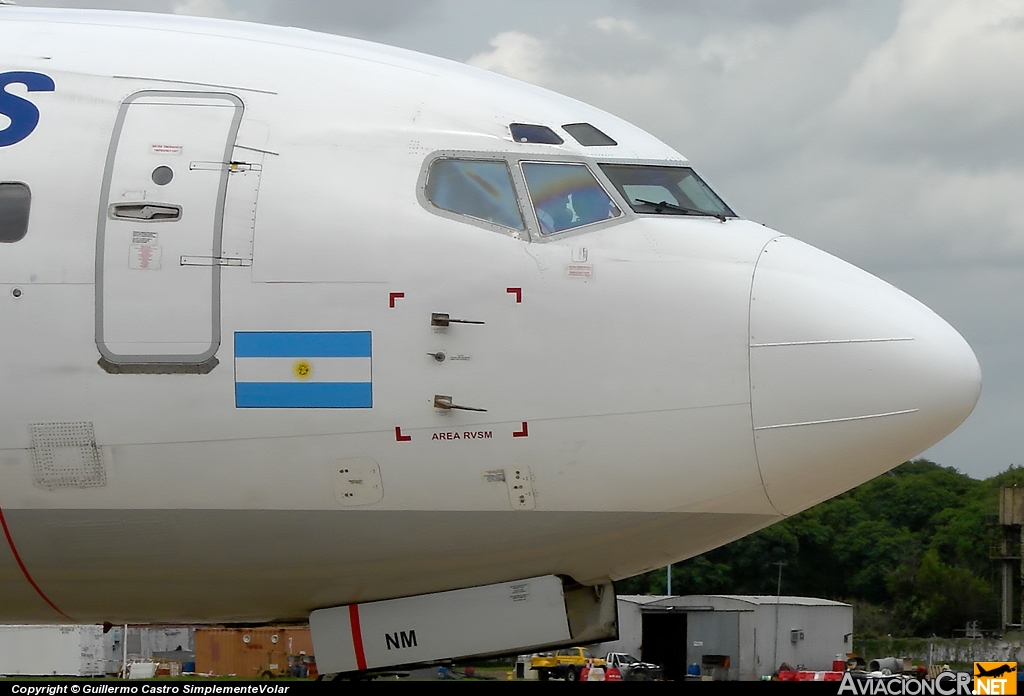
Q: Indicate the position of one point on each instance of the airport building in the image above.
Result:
(735, 637)
(87, 650)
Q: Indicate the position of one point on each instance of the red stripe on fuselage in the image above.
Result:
(24, 570)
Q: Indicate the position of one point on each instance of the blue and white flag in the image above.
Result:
(303, 369)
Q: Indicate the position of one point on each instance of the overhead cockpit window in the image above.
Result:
(481, 189)
(566, 196)
(15, 202)
(588, 135)
(528, 133)
(666, 191)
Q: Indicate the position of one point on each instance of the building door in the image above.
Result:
(664, 642)
(161, 209)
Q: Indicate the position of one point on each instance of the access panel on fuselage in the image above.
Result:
(163, 199)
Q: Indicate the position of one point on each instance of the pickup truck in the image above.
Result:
(631, 668)
(563, 664)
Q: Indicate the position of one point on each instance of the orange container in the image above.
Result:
(262, 651)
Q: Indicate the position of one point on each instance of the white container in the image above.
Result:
(141, 669)
(76, 651)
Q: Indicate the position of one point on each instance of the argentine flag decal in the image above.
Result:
(303, 369)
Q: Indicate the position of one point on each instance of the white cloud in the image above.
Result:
(922, 145)
(517, 55)
(725, 52)
(946, 83)
(615, 25)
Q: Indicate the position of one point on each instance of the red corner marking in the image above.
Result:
(518, 292)
(522, 433)
(400, 437)
(357, 636)
(24, 570)
(394, 296)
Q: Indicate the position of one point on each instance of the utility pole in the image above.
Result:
(778, 597)
(124, 653)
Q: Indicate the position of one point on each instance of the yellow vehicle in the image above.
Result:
(564, 664)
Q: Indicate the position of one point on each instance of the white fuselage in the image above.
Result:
(662, 384)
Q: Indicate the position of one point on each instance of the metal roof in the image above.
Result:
(702, 601)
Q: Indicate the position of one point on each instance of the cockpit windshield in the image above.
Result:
(566, 196)
(657, 190)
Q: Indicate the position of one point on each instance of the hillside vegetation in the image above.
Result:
(909, 549)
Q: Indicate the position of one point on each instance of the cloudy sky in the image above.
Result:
(888, 133)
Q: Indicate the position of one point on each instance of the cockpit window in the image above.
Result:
(529, 133)
(588, 135)
(566, 196)
(15, 201)
(665, 190)
(481, 189)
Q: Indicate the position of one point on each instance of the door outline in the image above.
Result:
(205, 361)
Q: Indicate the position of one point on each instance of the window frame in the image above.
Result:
(28, 217)
(594, 131)
(466, 217)
(664, 164)
(525, 234)
(513, 160)
(533, 207)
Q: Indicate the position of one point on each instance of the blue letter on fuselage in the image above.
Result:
(23, 114)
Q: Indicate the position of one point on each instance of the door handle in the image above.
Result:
(214, 261)
(441, 319)
(445, 403)
(233, 167)
(145, 212)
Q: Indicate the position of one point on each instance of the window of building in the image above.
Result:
(15, 202)
(481, 189)
(566, 196)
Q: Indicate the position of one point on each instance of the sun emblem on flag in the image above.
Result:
(302, 369)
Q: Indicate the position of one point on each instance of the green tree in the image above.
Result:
(932, 597)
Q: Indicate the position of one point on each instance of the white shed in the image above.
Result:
(733, 636)
(78, 651)
(85, 650)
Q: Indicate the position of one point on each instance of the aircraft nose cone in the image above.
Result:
(848, 375)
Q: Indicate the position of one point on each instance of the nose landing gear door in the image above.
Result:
(153, 307)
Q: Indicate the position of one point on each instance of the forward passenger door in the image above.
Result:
(160, 227)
